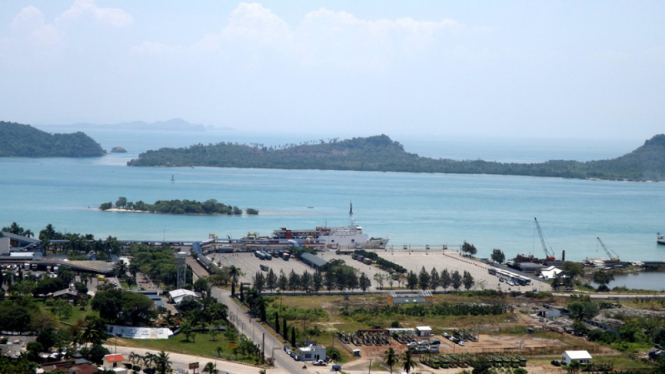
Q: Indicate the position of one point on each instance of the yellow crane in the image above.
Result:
(613, 258)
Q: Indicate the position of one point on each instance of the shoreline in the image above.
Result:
(121, 210)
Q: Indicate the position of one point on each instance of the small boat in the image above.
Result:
(310, 207)
(660, 239)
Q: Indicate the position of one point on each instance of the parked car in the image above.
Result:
(446, 335)
(461, 343)
(556, 363)
(319, 363)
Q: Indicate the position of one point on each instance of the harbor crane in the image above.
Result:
(549, 254)
(613, 258)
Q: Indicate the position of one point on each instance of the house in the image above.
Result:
(67, 294)
(176, 296)
(312, 353)
(583, 357)
(423, 331)
(112, 361)
(422, 297)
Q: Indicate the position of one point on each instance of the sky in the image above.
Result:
(560, 69)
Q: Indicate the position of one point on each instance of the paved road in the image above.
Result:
(611, 296)
(182, 361)
(255, 331)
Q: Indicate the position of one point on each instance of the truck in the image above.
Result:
(286, 256)
(261, 256)
(268, 256)
(264, 268)
(26, 266)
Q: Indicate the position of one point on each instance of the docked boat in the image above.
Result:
(660, 239)
(351, 236)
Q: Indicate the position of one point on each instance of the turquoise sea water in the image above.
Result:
(417, 209)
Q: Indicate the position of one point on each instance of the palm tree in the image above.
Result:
(148, 359)
(121, 270)
(391, 359)
(235, 272)
(94, 330)
(134, 267)
(28, 234)
(408, 362)
(210, 368)
(162, 363)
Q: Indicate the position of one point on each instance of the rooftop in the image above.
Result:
(579, 355)
(114, 358)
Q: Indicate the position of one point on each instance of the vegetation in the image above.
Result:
(380, 153)
(386, 265)
(498, 256)
(210, 206)
(158, 263)
(17, 140)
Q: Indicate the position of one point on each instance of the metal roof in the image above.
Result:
(579, 355)
(313, 260)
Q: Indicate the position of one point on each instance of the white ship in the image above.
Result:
(351, 236)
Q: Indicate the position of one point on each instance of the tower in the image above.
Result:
(182, 269)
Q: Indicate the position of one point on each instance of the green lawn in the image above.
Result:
(77, 313)
(203, 345)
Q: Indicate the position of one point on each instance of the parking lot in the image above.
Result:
(250, 264)
(451, 260)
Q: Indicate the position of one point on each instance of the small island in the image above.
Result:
(208, 207)
(118, 150)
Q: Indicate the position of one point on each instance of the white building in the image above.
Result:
(550, 272)
(112, 361)
(583, 357)
(177, 295)
(424, 330)
(312, 353)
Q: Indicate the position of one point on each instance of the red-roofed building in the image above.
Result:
(111, 361)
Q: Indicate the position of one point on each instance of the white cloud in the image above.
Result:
(29, 22)
(323, 38)
(88, 8)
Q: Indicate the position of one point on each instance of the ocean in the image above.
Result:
(410, 208)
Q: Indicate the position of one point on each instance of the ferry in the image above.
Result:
(333, 237)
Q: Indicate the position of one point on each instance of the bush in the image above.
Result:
(394, 324)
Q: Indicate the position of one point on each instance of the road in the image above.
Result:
(182, 361)
(255, 332)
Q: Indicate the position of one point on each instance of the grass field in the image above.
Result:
(77, 313)
(203, 345)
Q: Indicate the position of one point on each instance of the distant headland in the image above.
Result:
(17, 140)
(208, 207)
(380, 153)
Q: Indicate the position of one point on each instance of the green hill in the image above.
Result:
(380, 153)
(18, 140)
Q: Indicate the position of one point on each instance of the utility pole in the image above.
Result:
(370, 367)
(263, 348)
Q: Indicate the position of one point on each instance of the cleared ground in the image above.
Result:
(451, 260)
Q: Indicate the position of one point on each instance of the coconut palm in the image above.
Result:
(121, 269)
(162, 363)
(235, 272)
(408, 362)
(148, 359)
(391, 359)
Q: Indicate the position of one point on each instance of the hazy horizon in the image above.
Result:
(590, 70)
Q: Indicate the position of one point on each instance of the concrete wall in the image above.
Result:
(4, 245)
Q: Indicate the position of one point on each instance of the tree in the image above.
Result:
(162, 363)
(574, 269)
(446, 280)
(293, 336)
(121, 269)
(121, 202)
(210, 368)
(96, 353)
(434, 279)
(391, 359)
(93, 330)
(456, 280)
(283, 281)
(201, 286)
(467, 280)
(213, 332)
(411, 280)
(408, 362)
(187, 329)
(294, 280)
(379, 278)
(573, 367)
(365, 283)
(498, 256)
(317, 280)
(271, 280)
(603, 278)
(423, 279)
(306, 281)
(469, 249)
(134, 268)
(329, 280)
(235, 273)
(481, 365)
(62, 309)
(259, 281)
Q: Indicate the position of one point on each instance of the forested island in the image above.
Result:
(17, 140)
(208, 207)
(380, 153)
